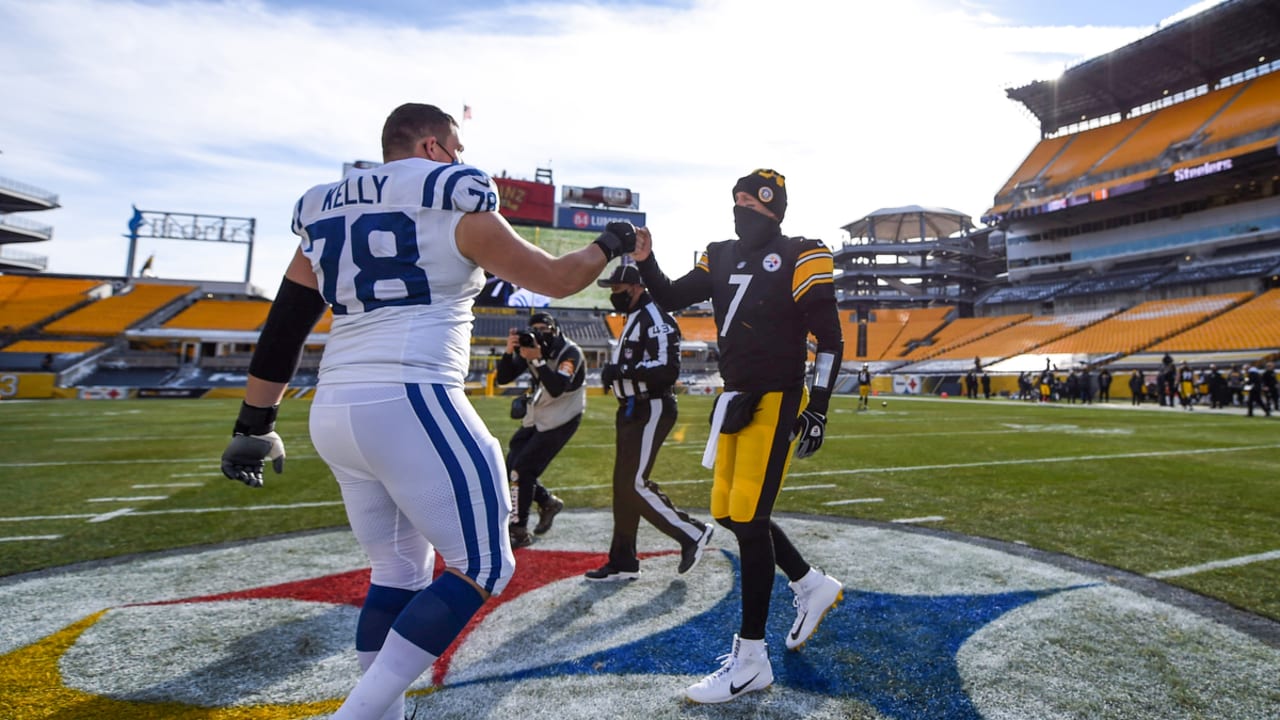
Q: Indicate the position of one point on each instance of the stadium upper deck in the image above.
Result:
(18, 197)
(1159, 155)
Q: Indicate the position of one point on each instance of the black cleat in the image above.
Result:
(690, 554)
(547, 513)
(520, 536)
(609, 573)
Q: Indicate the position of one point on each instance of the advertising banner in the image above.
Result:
(581, 218)
(521, 201)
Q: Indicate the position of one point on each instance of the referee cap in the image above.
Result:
(622, 275)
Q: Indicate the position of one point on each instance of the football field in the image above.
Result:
(1000, 559)
(1189, 497)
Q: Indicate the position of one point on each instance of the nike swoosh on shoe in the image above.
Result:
(735, 689)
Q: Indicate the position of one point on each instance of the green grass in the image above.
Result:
(1046, 476)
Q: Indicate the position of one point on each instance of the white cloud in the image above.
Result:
(236, 109)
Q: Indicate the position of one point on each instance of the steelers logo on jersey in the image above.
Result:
(765, 194)
(772, 262)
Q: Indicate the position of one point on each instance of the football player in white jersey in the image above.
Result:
(399, 253)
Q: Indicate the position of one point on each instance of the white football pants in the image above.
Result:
(418, 471)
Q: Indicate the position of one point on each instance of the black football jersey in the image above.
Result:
(766, 303)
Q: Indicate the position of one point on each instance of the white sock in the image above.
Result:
(395, 668)
(750, 648)
(396, 711)
(811, 579)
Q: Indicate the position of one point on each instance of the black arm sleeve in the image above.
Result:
(510, 366)
(694, 287)
(296, 309)
(555, 383)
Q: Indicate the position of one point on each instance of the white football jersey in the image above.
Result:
(381, 242)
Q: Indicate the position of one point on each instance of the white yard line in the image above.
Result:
(20, 538)
(853, 501)
(130, 438)
(924, 519)
(33, 518)
(1217, 564)
(111, 515)
(808, 487)
(1034, 461)
(135, 498)
(142, 461)
(146, 486)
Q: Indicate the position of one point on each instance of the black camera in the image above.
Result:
(527, 338)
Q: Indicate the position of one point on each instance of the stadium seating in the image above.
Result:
(1036, 161)
(696, 327)
(221, 315)
(1199, 273)
(111, 316)
(1253, 109)
(1254, 325)
(27, 301)
(1025, 336)
(961, 331)
(1118, 282)
(890, 332)
(1028, 292)
(57, 347)
(1086, 149)
(1163, 127)
(1142, 325)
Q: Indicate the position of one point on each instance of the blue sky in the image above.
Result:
(236, 107)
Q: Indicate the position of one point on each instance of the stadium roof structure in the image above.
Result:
(909, 222)
(1220, 41)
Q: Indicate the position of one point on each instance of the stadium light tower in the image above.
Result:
(189, 226)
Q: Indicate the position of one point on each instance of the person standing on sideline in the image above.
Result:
(768, 292)
(1137, 387)
(864, 387)
(1104, 385)
(1186, 385)
(641, 372)
(1255, 388)
(985, 378)
(418, 470)
(558, 383)
(1270, 391)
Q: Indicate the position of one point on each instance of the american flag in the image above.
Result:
(466, 112)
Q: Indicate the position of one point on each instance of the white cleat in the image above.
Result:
(745, 669)
(816, 593)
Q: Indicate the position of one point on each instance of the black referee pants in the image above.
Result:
(642, 426)
(528, 455)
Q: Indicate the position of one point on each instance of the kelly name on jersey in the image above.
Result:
(382, 236)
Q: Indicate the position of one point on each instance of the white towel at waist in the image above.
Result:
(717, 419)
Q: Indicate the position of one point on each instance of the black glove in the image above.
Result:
(253, 441)
(608, 374)
(810, 427)
(618, 239)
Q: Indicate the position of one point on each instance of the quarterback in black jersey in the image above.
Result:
(768, 293)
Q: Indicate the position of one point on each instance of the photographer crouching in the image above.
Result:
(551, 416)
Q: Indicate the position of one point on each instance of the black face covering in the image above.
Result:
(621, 301)
(754, 228)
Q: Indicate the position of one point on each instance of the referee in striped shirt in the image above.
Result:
(641, 372)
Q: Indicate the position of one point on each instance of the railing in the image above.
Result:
(25, 189)
(26, 225)
(25, 259)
